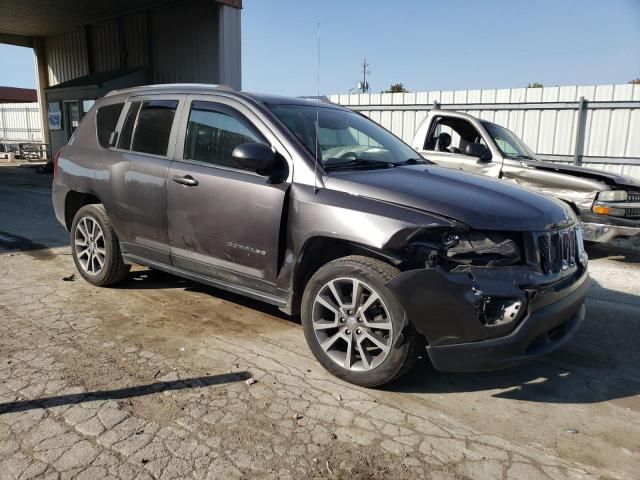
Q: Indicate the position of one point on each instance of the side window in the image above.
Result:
(154, 126)
(106, 121)
(452, 135)
(213, 132)
(127, 129)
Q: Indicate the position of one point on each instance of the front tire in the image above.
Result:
(95, 247)
(354, 325)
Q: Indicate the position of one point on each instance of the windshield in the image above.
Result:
(345, 139)
(508, 142)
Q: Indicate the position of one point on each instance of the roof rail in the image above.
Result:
(160, 86)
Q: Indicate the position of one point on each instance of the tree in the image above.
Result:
(535, 85)
(396, 88)
(635, 81)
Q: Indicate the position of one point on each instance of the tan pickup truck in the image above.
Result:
(607, 204)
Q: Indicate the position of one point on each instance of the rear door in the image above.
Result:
(134, 177)
(223, 221)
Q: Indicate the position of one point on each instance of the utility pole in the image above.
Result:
(364, 87)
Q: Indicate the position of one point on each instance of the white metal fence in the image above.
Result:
(595, 126)
(20, 121)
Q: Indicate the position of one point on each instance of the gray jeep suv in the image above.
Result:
(318, 210)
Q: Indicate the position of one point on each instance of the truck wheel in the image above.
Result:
(95, 247)
(354, 325)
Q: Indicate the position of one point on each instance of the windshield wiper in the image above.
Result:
(357, 163)
(412, 161)
(523, 157)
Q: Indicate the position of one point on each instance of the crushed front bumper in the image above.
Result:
(603, 233)
(604, 228)
(449, 309)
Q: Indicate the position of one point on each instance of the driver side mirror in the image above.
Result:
(479, 151)
(257, 157)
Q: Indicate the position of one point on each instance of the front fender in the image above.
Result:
(449, 307)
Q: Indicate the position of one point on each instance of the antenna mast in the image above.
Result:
(315, 168)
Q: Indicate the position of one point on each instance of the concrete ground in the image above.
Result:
(147, 380)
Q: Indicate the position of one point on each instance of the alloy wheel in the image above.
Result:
(352, 324)
(89, 245)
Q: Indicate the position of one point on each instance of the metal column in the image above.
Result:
(580, 131)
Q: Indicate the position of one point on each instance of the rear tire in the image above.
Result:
(95, 247)
(354, 325)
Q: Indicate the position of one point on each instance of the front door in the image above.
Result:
(446, 142)
(223, 221)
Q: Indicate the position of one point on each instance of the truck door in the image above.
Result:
(223, 221)
(446, 143)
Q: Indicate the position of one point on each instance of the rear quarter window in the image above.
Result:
(106, 121)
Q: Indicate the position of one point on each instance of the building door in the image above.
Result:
(72, 117)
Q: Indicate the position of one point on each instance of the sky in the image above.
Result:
(424, 44)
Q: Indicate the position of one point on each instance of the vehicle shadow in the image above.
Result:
(121, 393)
(617, 253)
(157, 280)
(600, 363)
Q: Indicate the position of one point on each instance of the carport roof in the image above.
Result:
(41, 18)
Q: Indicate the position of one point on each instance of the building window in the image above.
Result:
(86, 105)
(54, 115)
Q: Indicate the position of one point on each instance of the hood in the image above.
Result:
(611, 179)
(480, 202)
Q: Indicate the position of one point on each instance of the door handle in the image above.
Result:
(187, 180)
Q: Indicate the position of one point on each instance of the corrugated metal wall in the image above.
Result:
(135, 32)
(20, 121)
(186, 45)
(230, 47)
(67, 56)
(178, 57)
(613, 133)
(105, 51)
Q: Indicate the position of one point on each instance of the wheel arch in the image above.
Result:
(320, 250)
(573, 206)
(74, 201)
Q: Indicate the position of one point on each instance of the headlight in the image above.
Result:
(453, 248)
(483, 249)
(612, 196)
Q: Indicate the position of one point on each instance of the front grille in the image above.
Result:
(632, 212)
(558, 250)
(633, 196)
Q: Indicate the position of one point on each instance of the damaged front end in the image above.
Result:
(492, 294)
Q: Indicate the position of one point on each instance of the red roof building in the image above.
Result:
(18, 95)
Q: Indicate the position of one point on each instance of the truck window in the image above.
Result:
(214, 131)
(508, 142)
(106, 121)
(452, 135)
(154, 126)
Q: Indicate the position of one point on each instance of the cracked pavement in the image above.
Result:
(147, 380)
